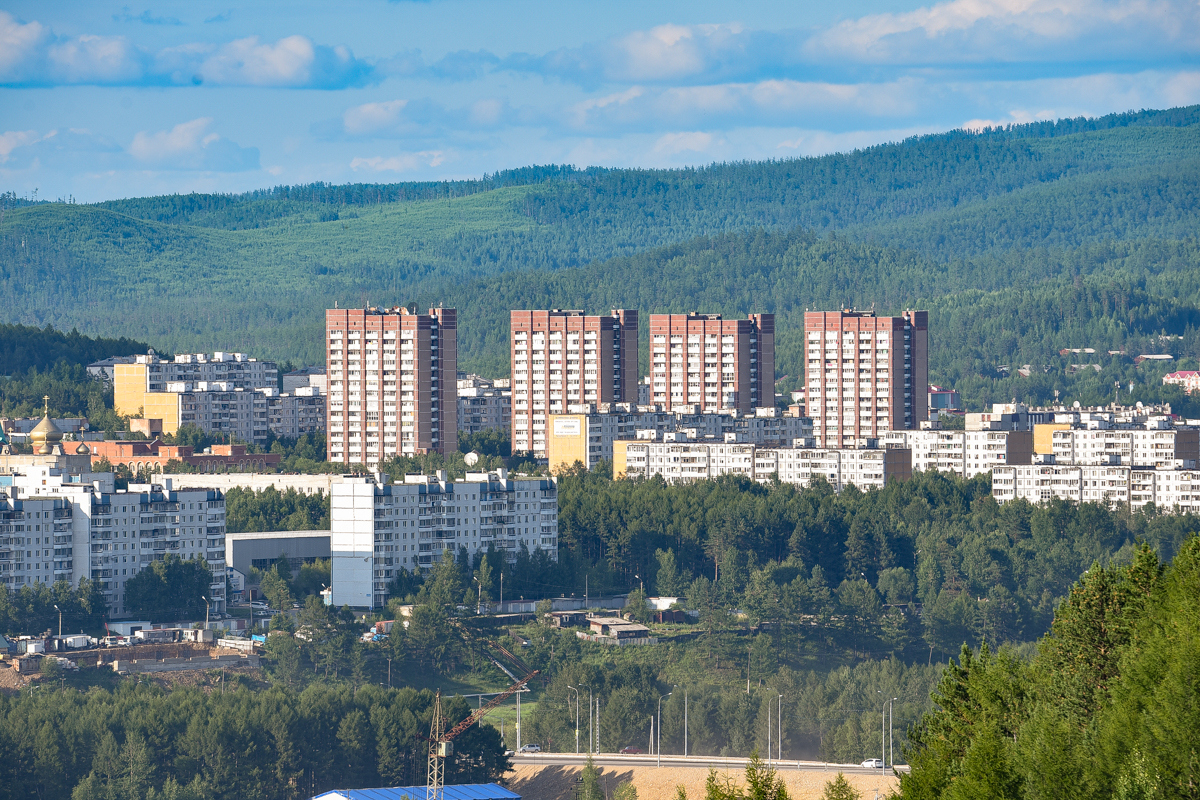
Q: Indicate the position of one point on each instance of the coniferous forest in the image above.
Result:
(1031, 651)
(1021, 241)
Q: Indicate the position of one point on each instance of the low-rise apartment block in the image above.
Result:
(586, 434)
(150, 374)
(251, 415)
(965, 453)
(1159, 445)
(379, 528)
(55, 526)
(677, 460)
(483, 404)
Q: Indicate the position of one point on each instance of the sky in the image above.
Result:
(102, 100)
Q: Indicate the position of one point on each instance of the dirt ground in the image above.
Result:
(554, 782)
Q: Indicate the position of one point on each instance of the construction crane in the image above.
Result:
(440, 740)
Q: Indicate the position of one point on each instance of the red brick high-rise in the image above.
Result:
(715, 363)
(865, 374)
(393, 383)
(561, 358)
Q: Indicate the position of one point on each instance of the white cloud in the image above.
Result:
(690, 141)
(11, 140)
(31, 55)
(405, 162)
(192, 146)
(773, 101)
(95, 59)
(250, 62)
(372, 117)
(1014, 30)
(18, 42)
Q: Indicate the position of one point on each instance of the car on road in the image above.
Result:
(509, 753)
(631, 751)
(873, 763)
(530, 748)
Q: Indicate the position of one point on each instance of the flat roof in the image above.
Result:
(277, 535)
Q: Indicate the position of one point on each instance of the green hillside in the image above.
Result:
(1021, 241)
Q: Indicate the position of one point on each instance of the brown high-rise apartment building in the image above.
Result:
(866, 374)
(392, 383)
(561, 358)
(715, 363)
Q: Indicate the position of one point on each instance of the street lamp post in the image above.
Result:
(59, 610)
(891, 751)
(479, 602)
(576, 717)
(779, 748)
(685, 722)
(207, 606)
(658, 744)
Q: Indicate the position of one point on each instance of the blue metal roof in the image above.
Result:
(468, 791)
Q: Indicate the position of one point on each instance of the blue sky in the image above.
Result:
(101, 100)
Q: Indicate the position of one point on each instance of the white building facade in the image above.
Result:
(379, 528)
(55, 526)
(680, 461)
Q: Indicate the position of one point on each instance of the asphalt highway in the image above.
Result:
(702, 762)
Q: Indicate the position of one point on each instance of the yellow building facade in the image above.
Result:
(566, 441)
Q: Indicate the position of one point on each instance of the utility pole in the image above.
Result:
(576, 717)
(591, 724)
(389, 673)
(518, 721)
(597, 724)
(685, 722)
(501, 589)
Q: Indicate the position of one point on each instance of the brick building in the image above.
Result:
(865, 374)
(564, 357)
(714, 363)
(392, 377)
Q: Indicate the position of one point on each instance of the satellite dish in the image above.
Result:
(471, 458)
(1075, 404)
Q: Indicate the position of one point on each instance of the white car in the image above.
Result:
(530, 748)
(873, 763)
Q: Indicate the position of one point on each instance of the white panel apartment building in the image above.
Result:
(966, 453)
(55, 526)
(597, 428)
(679, 461)
(1154, 445)
(483, 404)
(380, 528)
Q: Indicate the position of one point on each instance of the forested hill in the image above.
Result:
(1080, 217)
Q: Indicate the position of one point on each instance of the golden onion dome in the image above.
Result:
(46, 433)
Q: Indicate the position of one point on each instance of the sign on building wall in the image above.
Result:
(566, 427)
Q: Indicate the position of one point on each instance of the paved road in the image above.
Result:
(703, 762)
